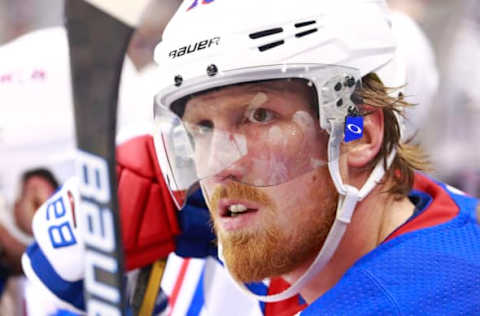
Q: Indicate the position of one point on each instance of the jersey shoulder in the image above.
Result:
(432, 268)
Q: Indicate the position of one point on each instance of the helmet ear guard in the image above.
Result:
(338, 100)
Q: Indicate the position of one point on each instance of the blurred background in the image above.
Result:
(439, 39)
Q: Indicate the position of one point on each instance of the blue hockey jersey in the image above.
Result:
(428, 266)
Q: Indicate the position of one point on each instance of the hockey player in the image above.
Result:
(288, 125)
(288, 128)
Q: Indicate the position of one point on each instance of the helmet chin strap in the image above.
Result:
(349, 196)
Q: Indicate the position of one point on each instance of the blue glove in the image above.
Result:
(197, 239)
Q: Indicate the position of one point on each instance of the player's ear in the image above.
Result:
(366, 148)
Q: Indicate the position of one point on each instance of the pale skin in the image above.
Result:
(301, 200)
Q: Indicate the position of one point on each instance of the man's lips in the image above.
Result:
(224, 206)
(231, 222)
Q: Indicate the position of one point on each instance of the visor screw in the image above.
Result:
(339, 102)
(349, 81)
(352, 111)
(356, 99)
(212, 70)
(338, 86)
(178, 80)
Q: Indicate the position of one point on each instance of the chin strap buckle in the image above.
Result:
(348, 204)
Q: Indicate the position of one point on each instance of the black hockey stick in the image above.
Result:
(99, 32)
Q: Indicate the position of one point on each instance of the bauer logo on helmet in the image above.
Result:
(194, 47)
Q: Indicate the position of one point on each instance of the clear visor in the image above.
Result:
(259, 132)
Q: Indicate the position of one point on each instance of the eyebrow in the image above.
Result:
(273, 86)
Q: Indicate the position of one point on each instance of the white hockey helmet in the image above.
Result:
(239, 34)
(218, 43)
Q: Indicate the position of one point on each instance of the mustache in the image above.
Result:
(240, 191)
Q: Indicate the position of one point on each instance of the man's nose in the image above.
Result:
(226, 148)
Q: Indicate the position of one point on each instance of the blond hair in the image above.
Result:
(409, 158)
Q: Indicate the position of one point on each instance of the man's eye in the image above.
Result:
(260, 115)
(202, 128)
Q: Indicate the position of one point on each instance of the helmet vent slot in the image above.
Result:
(266, 33)
(304, 33)
(306, 23)
(270, 46)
